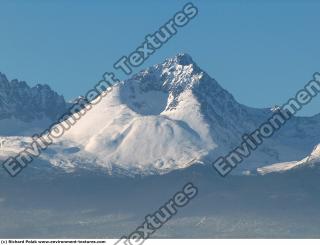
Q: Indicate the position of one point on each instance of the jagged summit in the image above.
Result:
(168, 82)
(20, 101)
(175, 75)
(181, 59)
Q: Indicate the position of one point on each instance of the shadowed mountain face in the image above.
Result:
(19, 101)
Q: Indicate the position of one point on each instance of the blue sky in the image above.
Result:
(262, 52)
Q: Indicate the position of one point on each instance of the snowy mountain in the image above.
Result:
(167, 117)
(309, 161)
(25, 109)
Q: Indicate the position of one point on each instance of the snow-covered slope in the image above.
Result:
(309, 161)
(150, 123)
(167, 117)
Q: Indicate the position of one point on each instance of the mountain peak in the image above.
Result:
(181, 59)
(3, 78)
(173, 75)
(19, 100)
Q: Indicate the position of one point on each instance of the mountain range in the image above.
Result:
(167, 117)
